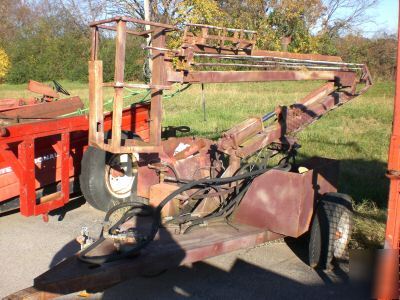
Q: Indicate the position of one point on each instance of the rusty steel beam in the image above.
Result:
(119, 72)
(158, 78)
(137, 33)
(346, 77)
(132, 20)
(96, 110)
(256, 52)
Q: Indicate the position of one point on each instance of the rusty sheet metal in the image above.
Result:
(43, 89)
(283, 202)
(44, 110)
(167, 251)
(346, 78)
(8, 104)
(160, 191)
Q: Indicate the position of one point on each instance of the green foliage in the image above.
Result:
(134, 59)
(378, 53)
(50, 50)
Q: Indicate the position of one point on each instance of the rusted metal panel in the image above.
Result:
(283, 202)
(43, 89)
(8, 104)
(158, 192)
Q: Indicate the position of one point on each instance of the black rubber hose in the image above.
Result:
(98, 260)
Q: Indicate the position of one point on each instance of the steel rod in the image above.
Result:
(271, 64)
(229, 56)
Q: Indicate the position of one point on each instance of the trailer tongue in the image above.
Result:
(195, 198)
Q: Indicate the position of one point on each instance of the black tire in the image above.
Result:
(330, 230)
(95, 169)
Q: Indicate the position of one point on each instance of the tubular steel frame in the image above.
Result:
(165, 74)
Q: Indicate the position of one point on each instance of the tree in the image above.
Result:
(4, 64)
(341, 16)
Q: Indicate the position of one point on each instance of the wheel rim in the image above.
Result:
(120, 175)
(342, 236)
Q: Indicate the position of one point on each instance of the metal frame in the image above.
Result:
(164, 74)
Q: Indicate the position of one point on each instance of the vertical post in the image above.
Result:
(203, 101)
(147, 17)
(119, 86)
(393, 222)
(158, 78)
(388, 279)
(96, 118)
(65, 147)
(27, 188)
(96, 130)
(94, 50)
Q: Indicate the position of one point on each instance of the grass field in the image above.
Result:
(356, 134)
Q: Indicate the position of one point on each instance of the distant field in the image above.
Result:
(356, 134)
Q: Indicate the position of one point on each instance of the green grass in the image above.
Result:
(356, 134)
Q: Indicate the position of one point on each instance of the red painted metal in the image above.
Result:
(37, 154)
(387, 283)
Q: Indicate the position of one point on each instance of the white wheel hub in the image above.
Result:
(120, 175)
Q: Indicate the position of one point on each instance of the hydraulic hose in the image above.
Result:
(98, 260)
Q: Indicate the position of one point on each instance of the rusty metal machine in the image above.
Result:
(176, 200)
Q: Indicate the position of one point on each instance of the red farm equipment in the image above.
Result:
(177, 200)
(41, 151)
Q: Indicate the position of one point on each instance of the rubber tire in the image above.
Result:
(325, 224)
(92, 175)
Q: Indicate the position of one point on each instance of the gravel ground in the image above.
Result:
(271, 271)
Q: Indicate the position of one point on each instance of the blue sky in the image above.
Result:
(385, 16)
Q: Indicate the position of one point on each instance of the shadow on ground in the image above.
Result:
(243, 281)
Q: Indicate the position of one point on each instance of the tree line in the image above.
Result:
(50, 39)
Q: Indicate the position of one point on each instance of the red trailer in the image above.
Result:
(40, 158)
